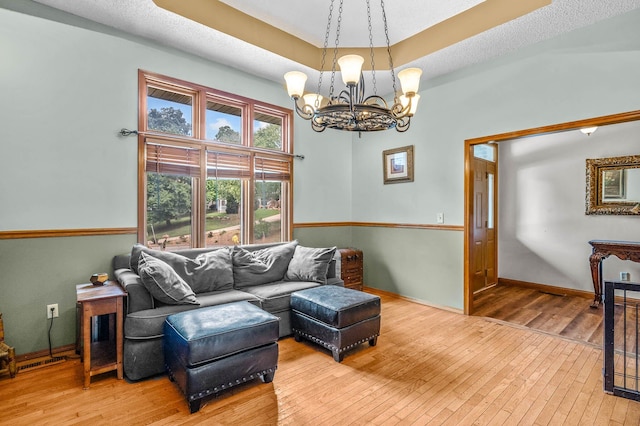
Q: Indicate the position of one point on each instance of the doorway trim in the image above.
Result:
(505, 137)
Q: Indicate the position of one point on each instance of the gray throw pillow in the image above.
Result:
(181, 264)
(210, 271)
(163, 282)
(214, 271)
(310, 264)
(261, 266)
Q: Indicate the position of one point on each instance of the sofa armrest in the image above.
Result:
(138, 297)
(332, 272)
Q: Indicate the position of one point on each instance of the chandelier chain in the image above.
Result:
(373, 64)
(386, 34)
(335, 50)
(326, 43)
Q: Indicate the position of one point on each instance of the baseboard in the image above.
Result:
(410, 299)
(67, 350)
(562, 291)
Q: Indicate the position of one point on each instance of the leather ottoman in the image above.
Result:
(335, 317)
(211, 349)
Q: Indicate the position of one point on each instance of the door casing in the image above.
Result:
(504, 137)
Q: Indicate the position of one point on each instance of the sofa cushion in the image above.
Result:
(261, 266)
(163, 282)
(275, 297)
(209, 271)
(149, 323)
(310, 264)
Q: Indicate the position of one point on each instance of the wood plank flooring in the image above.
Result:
(429, 367)
(563, 315)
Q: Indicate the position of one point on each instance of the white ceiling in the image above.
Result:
(401, 16)
(143, 18)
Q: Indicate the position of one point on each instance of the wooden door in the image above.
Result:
(483, 235)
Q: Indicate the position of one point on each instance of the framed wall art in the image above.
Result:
(398, 165)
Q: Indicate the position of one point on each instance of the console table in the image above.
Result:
(100, 357)
(624, 250)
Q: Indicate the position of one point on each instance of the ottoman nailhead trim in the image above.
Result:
(330, 346)
(222, 387)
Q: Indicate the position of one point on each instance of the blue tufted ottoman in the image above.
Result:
(335, 317)
(211, 349)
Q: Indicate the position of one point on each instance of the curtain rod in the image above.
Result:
(126, 132)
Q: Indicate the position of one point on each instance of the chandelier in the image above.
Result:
(351, 109)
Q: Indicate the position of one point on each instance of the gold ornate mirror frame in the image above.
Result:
(613, 170)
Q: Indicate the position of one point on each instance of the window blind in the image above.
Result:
(226, 165)
(271, 169)
(173, 160)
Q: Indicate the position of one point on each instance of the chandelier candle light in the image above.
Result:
(351, 110)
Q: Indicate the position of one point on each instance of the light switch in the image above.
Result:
(440, 218)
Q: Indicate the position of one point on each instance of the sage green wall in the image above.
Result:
(586, 73)
(36, 272)
(68, 86)
(328, 236)
(422, 264)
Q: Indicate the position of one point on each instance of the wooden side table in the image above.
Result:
(102, 356)
(623, 250)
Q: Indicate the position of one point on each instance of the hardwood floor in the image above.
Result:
(562, 315)
(430, 366)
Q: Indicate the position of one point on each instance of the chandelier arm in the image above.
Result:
(361, 89)
(403, 124)
(400, 111)
(306, 111)
(343, 98)
(376, 100)
(317, 125)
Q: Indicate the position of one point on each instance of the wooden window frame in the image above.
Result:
(197, 141)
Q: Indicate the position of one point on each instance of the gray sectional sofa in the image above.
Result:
(161, 283)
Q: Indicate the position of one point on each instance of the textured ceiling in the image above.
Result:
(302, 18)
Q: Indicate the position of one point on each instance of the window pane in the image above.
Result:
(169, 112)
(169, 201)
(223, 212)
(485, 151)
(224, 123)
(267, 132)
(490, 201)
(268, 220)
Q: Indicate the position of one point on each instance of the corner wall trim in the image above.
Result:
(56, 233)
(380, 225)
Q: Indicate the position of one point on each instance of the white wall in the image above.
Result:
(543, 229)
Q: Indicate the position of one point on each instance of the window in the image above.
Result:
(215, 169)
(485, 152)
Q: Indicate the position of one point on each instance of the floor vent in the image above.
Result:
(42, 363)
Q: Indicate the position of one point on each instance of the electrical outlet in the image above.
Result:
(440, 218)
(625, 276)
(52, 311)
